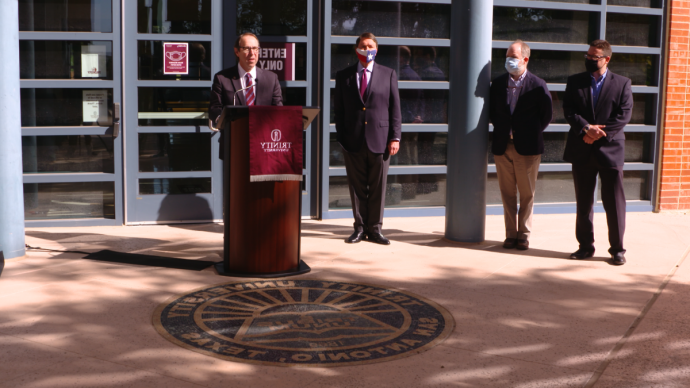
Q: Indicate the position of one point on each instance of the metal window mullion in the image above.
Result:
(73, 222)
(560, 167)
(295, 84)
(435, 128)
(174, 37)
(634, 10)
(326, 109)
(602, 21)
(399, 170)
(66, 36)
(174, 174)
(172, 83)
(175, 129)
(285, 38)
(417, 1)
(636, 50)
(424, 85)
(67, 131)
(389, 41)
(548, 5)
(76, 177)
(67, 84)
(414, 85)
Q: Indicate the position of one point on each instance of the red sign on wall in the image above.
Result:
(278, 58)
(175, 58)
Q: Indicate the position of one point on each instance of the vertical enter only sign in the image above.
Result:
(278, 58)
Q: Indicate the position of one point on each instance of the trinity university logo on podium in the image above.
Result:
(275, 145)
(303, 322)
(275, 135)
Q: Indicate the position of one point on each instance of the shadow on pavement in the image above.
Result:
(549, 326)
(433, 240)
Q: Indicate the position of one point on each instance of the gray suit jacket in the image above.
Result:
(378, 120)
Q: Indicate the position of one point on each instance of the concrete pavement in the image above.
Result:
(523, 319)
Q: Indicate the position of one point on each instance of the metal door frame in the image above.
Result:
(310, 150)
(138, 209)
(115, 85)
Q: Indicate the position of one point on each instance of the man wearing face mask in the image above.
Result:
(598, 105)
(368, 124)
(520, 108)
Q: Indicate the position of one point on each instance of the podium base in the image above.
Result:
(301, 269)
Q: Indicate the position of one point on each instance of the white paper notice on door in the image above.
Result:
(95, 108)
(93, 61)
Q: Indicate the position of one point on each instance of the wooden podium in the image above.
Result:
(262, 220)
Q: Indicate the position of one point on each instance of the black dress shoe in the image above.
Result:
(582, 254)
(355, 238)
(378, 238)
(509, 243)
(522, 244)
(618, 258)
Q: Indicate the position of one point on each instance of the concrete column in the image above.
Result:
(11, 192)
(468, 119)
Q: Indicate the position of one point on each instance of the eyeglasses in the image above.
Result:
(246, 49)
(594, 57)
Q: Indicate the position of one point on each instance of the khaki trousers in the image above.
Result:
(517, 173)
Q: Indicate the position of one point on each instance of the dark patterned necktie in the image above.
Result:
(363, 85)
(250, 91)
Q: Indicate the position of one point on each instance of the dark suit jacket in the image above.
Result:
(378, 121)
(532, 114)
(614, 109)
(227, 82)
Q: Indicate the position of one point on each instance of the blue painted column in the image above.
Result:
(468, 119)
(11, 192)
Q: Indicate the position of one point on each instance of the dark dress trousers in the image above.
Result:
(227, 82)
(364, 129)
(605, 157)
(532, 114)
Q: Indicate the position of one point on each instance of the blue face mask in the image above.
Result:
(513, 65)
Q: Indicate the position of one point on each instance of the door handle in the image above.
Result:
(116, 119)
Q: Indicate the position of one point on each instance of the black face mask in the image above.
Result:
(592, 65)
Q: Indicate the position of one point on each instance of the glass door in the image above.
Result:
(171, 51)
(70, 108)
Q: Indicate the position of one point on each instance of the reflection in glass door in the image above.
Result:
(70, 109)
(172, 170)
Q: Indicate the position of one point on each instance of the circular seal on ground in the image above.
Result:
(303, 322)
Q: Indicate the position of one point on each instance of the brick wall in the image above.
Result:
(675, 162)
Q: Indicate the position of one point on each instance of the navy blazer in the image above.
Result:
(227, 82)
(532, 114)
(614, 109)
(378, 120)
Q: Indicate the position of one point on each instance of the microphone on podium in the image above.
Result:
(234, 102)
(234, 96)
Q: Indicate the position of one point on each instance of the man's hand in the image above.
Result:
(594, 133)
(393, 147)
(417, 120)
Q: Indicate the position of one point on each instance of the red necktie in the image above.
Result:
(363, 85)
(250, 91)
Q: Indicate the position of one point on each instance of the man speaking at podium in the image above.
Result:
(367, 120)
(243, 84)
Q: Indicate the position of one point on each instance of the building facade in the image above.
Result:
(109, 138)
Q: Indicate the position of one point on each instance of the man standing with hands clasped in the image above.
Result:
(368, 123)
(520, 109)
(598, 105)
